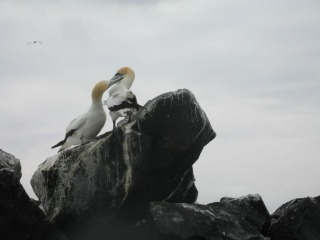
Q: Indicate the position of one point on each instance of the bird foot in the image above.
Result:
(129, 114)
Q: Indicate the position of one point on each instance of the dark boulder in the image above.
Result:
(252, 209)
(298, 219)
(108, 183)
(20, 217)
(230, 219)
(9, 162)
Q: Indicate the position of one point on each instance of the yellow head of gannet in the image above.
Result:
(124, 76)
(99, 89)
(86, 127)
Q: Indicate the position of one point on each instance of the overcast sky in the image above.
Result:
(254, 67)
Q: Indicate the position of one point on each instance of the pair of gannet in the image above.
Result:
(121, 102)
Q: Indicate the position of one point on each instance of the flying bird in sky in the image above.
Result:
(122, 102)
(86, 127)
(34, 42)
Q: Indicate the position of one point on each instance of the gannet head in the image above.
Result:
(99, 89)
(124, 75)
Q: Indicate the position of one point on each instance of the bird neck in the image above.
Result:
(98, 91)
(127, 82)
(96, 104)
(123, 85)
(97, 100)
(118, 87)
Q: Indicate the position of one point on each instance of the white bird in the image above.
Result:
(85, 127)
(122, 102)
(34, 42)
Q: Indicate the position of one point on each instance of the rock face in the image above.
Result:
(20, 217)
(298, 219)
(9, 162)
(107, 184)
(230, 219)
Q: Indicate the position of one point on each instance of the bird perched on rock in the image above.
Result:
(85, 127)
(122, 102)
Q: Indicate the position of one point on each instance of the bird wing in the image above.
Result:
(71, 128)
(133, 100)
(119, 101)
(76, 124)
(116, 99)
(130, 95)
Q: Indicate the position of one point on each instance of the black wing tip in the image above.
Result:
(129, 103)
(139, 106)
(68, 134)
(59, 144)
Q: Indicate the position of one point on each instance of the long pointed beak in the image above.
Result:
(116, 78)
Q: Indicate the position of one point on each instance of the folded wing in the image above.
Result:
(74, 125)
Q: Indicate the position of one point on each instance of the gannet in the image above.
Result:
(34, 42)
(122, 102)
(85, 127)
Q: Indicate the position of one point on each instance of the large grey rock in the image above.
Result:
(242, 218)
(109, 182)
(9, 162)
(20, 217)
(298, 219)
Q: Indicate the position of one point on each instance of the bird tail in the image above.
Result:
(68, 134)
(59, 143)
(138, 106)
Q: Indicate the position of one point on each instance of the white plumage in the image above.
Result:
(85, 127)
(122, 102)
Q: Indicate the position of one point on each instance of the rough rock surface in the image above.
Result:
(8, 161)
(110, 181)
(298, 219)
(250, 208)
(230, 219)
(20, 217)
